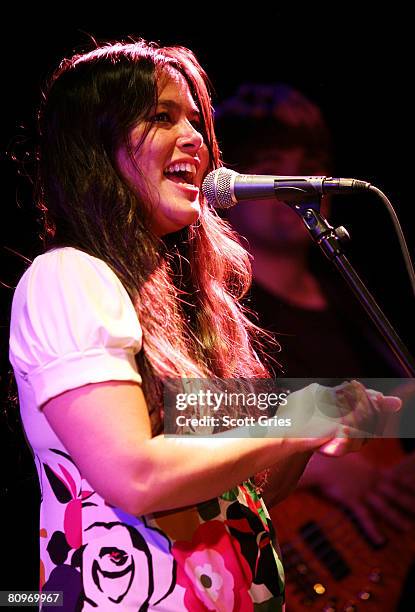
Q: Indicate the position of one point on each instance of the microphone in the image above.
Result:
(224, 188)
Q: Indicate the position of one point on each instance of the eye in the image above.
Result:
(161, 118)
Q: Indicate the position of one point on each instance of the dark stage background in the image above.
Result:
(353, 72)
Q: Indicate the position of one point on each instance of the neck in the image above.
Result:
(286, 275)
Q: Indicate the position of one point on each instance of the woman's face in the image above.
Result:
(172, 159)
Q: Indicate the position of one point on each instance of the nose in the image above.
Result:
(189, 138)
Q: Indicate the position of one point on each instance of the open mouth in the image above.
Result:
(183, 178)
(182, 174)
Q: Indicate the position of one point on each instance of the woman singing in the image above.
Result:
(140, 282)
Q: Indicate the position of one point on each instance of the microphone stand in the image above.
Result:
(330, 241)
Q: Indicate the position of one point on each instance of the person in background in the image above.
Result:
(272, 128)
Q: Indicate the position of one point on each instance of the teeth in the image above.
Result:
(182, 167)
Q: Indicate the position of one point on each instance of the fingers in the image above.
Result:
(341, 446)
(387, 403)
(332, 448)
(366, 411)
(390, 403)
(388, 512)
(367, 523)
(400, 496)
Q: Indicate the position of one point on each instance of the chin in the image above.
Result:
(175, 223)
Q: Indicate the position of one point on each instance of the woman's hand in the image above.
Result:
(361, 413)
(343, 414)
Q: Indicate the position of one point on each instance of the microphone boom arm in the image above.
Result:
(330, 242)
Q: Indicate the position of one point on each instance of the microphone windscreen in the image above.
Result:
(218, 188)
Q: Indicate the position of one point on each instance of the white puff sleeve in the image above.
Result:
(72, 323)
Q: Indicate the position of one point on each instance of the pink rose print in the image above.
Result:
(117, 569)
(213, 571)
(64, 487)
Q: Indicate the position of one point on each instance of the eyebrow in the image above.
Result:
(175, 106)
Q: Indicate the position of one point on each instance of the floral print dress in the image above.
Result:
(72, 324)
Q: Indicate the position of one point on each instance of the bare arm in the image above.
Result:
(106, 429)
(283, 477)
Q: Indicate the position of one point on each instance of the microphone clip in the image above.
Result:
(330, 240)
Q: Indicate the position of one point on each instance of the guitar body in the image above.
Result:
(329, 563)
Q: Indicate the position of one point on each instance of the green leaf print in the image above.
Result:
(231, 495)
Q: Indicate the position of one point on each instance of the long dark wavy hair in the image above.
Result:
(186, 287)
